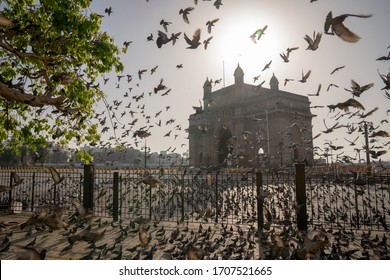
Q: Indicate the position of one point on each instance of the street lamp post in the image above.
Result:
(326, 154)
(366, 127)
(145, 154)
(268, 148)
(367, 146)
(143, 134)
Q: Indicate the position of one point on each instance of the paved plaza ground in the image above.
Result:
(168, 240)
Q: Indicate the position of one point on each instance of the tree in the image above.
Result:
(52, 53)
(8, 157)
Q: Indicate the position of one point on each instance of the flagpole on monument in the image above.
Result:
(223, 72)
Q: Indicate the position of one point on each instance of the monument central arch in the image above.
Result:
(224, 149)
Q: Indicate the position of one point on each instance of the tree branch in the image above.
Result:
(23, 55)
(15, 95)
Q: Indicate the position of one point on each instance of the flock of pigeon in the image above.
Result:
(114, 118)
(143, 121)
(182, 224)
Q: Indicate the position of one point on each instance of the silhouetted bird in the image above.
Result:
(217, 3)
(345, 105)
(16, 180)
(258, 33)
(318, 91)
(159, 87)
(338, 28)
(305, 77)
(385, 79)
(30, 253)
(165, 24)
(287, 80)
(140, 72)
(267, 65)
(329, 130)
(56, 176)
(210, 24)
(195, 42)
(337, 69)
(32, 242)
(143, 236)
(331, 85)
(185, 13)
(313, 42)
(352, 143)
(174, 37)
(162, 39)
(207, 42)
(380, 133)
(363, 116)
(383, 58)
(5, 245)
(377, 154)
(357, 90)
(108, 11)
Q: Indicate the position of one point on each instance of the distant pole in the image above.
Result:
(260, 205)
(145, 155)
(223, 72)
(216, 198)
(88, 186)
(266, 116)
(300, 190)
(327, 156)
(367, 146)
(115, 197)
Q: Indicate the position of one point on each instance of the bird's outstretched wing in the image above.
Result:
(55, 175)
(345, 34)
(338, 28)
(258, 33)
(194, 43)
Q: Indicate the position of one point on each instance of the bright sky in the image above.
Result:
(288, 22)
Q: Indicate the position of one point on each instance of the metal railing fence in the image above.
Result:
(298, 197)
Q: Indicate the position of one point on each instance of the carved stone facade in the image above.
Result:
(244, 125)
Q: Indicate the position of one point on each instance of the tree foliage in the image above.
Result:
(52, 53)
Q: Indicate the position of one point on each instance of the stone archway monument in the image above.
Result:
(254, 117)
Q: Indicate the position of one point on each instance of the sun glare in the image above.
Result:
(236, 46)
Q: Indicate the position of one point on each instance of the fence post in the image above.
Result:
(55, 195)
(216, 198)
(10, 192)
(150, 201)
(356, 208)
(81, 187)
(33, 192)
(260, 204)
(115, 197)
(300, 189)
(88, 186)
(182, 202)
(120, 197)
